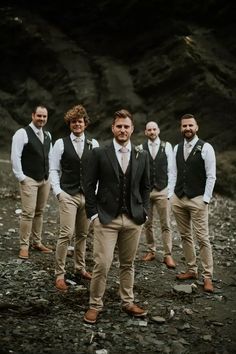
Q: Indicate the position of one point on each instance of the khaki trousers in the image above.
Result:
(124, 233)
(73, 223)
(159, 203)
(192, 215)
(34, 196)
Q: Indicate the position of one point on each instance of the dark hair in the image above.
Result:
(187, 116)
(123, 113)
(77, 112)
(37, 106)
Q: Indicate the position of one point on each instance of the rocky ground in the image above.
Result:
(35, 318)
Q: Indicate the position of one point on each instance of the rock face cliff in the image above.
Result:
(157, 59)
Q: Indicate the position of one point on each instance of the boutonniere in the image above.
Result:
(138, 149)
(198, 148)
(90, 144)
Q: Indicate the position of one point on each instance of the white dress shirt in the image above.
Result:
(119, 153)
(55, 160)
(19, 140)
(208, 155)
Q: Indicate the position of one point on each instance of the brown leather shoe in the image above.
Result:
(91, 316)
(23, 254)
(170, 263)
(61, 285)
(134, 310)
(42, 248)
(186, 276)
(208, 286)
(70, 253)
(85, 275)
(150, 256)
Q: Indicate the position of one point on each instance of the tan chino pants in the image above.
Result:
(34, 196)
(159, 203)
(73, 222)
(124, 233)
(192, 219)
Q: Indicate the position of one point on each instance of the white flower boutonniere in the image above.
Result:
(90, 144)
(198, 148)
(138, 149)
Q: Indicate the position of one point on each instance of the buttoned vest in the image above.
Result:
(34, 159)
(73, 168)
(158, 167)
(125, 190)
(191, 174)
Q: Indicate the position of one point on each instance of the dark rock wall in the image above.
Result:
(159, 59)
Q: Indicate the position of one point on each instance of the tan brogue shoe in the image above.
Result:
(61, 285)
(150, 256)
(91, 316)
(208, 286)
(134, 310)
(86, 275)
(24, 254)
(42, 248)
(169, 262)
(186, 276)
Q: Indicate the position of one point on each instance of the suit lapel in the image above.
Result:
(134, 164)
(110, 151)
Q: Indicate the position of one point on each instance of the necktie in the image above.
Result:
(153, 150)
(124, 158)
(187, 150)
(40, 135)
(79, 146)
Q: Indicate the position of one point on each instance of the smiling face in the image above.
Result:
(152, 131)
(40, 117)
(188, 128)
(77, 126)
(122, 129)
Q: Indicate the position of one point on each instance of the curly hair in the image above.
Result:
(77, 112)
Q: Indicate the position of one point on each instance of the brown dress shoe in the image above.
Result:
(186, 276)
(169, 262)
(42, 248)
(61, 285)
(150, 256)
(70, 253)
(134, 310)
(86, 275)
(208, 286)
(91, 316)
(24, 254)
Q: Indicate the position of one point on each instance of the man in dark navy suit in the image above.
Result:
(117, 200)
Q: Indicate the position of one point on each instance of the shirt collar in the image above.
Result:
(35, 129)
(192, 142)
(81, 137)
(118, 146)
(156, 141)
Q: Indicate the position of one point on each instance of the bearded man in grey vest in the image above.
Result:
(160, 161)
(69, 162)
(192, 182)
(30, 152)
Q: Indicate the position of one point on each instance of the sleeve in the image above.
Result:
(18, 142)
(172, 174)
(208, 155)
(55, 166)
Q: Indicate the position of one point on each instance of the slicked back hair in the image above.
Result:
(187, 116)
(122, 113)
